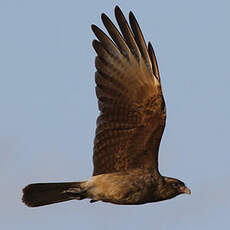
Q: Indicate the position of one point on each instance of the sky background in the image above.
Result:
(48, 110)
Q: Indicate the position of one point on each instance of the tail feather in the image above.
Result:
(35, 195)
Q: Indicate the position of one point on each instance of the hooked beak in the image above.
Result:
(186, 190)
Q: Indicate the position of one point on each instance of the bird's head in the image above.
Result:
(173, 187)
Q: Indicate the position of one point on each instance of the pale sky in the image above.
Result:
(49, 108)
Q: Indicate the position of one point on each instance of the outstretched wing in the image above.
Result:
(132, 109)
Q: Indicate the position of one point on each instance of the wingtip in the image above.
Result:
(95, 29)
(132, 19)
(93, 26)
(117, 8)
(131, 16)
(150, 46)
(150, 49)
(104, 18)
(117, 11)
(95, 44)
(103, 15)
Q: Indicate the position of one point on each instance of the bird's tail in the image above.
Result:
(35, 195)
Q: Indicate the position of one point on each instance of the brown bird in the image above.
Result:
(129, 127)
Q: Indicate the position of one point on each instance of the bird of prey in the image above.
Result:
(129, 127)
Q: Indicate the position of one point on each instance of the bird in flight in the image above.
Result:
(129, 127)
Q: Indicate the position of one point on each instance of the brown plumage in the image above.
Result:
(129, 127)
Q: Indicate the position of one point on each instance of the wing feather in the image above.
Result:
(154, 61)
(139, 39)
(126, 31)
(106, 41)
(115, 35)
(132, 109)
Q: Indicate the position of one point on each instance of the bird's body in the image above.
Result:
(129, 127)
(136, 186)
(132, 187)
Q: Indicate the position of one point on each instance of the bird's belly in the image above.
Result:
(120, 188)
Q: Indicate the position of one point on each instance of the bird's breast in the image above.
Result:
(132, 187)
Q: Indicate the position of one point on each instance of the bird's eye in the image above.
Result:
(176, 185)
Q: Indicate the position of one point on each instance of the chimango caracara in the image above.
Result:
(129, 127)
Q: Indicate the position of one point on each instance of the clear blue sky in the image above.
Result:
(48, 110)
